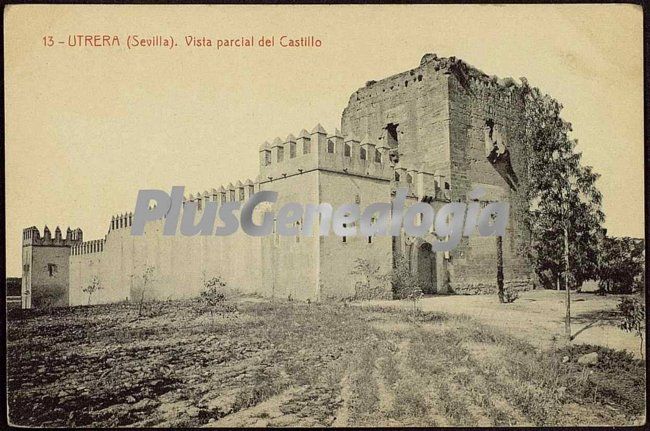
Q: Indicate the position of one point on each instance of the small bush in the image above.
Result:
(93, 287)
(371, 282)
(510, 295)
(405, 284)
(213, 297)
(632, 310)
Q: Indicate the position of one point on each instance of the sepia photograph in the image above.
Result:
(324, 215)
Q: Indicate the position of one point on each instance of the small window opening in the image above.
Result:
(373, 219)
(391, 135)
(298, 231)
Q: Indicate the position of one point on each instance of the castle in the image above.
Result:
(440, 129)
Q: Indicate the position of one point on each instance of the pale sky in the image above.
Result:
(86, 128)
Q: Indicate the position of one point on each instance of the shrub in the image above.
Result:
(405, 284)
(213, 297)
(632, 311)
(510, 295)
(371, 282)
(93, 287)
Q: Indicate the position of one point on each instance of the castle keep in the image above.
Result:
(441, 130)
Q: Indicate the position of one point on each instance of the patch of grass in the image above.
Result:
(616, 379)
(411, 399)
(365, 399)
(401, 367)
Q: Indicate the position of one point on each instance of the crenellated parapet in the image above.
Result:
(421, 183)
(88, 247)
(32, 236)
(121, 221)
(238, 192)
(318, 149)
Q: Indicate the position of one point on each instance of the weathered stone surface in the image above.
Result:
(588, 359)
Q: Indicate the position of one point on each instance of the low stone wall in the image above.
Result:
(490, 289)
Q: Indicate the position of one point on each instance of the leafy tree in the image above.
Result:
(622, 265)
(563, 195)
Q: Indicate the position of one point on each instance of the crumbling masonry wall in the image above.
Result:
(443, 109)
(477, 105)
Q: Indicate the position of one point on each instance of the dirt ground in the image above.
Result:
(284, 363)
(538, 317)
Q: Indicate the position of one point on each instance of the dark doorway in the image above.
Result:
(426, 268)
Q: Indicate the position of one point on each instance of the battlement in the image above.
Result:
(238, 192)
(121, 221)
(32, 236)
(366, 156)
(421, 183)
(95, 246)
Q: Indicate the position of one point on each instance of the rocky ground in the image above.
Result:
(263, 363)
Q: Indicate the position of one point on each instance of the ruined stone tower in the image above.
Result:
(451, 120)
